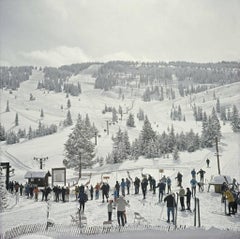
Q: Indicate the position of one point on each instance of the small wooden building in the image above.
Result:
(38, 177)
(217, 182)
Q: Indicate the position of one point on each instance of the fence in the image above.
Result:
(75, 231)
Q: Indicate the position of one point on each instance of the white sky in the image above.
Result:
(56, 32)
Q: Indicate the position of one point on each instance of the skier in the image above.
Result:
(193, 183)
(144, 184)
(123, 185)
(128, 184)
(105, 191)
(82, 200)
(201, 172)
(110, 209)
(136, 185)
(169, 183)
(161, 186)
(188, 195)
(91, 192)
(171, 204)
(229, 196)
(154, 185)
(97, 188)
(121, 208)
(117, 187)
(193, 173)
(179, 178)
(181, 196)
(208, 162)
(150, 181)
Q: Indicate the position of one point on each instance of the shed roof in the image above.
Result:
(220, 179)
(35, 174)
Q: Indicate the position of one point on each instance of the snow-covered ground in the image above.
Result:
(92, 101)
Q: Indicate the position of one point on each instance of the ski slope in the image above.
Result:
(92, 102)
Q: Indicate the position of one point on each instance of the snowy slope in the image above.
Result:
(92, 101)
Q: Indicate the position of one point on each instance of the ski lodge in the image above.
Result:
(38, 177)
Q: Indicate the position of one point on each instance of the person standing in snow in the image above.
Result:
(161, 186)
(229, 196)
(91, 192)
(117, 187)
(179, 179)
(144, 184)
(169, 184)
(188, 195)
(193, 173)
(123, 185)
(201, 172)
(121, 208)
(193, 183)
(105, 191)
(171, 204)
(110, 209)
(128, 184)
(181, 196)
(208, 162)
(82, 200)
(136, 185)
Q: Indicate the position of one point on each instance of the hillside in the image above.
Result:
(92, 101)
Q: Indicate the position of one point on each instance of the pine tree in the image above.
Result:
(16, 120)
(140, 114)
(2, 133)
(130, 121)
(68, 104)
(68, 121)
(235, 120)
(175, 153)
(41, 114)
(79, 150)
(114, 115)
(218, 106)
(146, 136)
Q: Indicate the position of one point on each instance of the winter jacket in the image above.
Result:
(193, 182)
(170, 200)
(181, 192)
(121, 204)
(228, 194)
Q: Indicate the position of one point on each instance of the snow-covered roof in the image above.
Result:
(220, 179)
(35, 174)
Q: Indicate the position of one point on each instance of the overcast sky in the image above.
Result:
(57, 32)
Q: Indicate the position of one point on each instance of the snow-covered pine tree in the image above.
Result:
(130, 121)
(16, 120)
(79, 149)
(218, 106)
(140, 114)
(68, 121)
(114, 115)
(235, 120)
(68, 104)
(2, 133)
(175, 153)
(12, 138)
(135, 149)
(146, 136)
(41, 114)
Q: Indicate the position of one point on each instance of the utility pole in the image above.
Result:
(107, 128)
(80, 165)
(41, 161)
(217, 154)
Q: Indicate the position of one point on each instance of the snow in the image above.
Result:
(92, 101)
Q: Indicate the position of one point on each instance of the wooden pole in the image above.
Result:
(217, 153)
